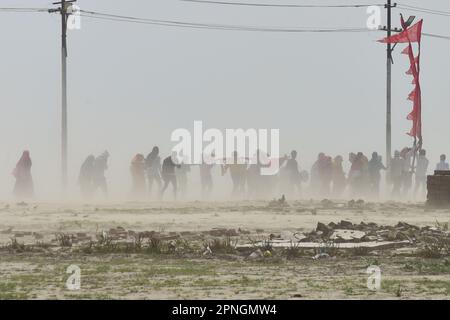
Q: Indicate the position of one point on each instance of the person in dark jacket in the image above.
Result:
(99, 179)
(153, 166)
(375, 166)
(168, 174)
(86, 177)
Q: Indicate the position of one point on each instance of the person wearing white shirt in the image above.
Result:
(442, 165)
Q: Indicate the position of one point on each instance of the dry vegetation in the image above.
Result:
(193, 252)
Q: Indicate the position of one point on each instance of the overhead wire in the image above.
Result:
(257, 4)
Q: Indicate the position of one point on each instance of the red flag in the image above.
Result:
(416, 116)
(412, 34)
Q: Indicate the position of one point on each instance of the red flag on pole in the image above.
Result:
(411, 35)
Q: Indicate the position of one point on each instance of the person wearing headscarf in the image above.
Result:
(23, 187)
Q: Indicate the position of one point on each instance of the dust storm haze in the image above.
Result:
(131, 85)
(340, 220)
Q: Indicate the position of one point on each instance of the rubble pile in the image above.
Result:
(346, 231)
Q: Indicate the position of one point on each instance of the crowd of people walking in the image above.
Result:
(151, 177)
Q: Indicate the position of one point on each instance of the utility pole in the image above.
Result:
(388, 6)
(65, 4)
(389, 62)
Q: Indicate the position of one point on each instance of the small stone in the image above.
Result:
(323, 228)
(256, 254)
(267, 254)
(321, 256)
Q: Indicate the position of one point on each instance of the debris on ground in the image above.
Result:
(371, 236)
(207, 251)
(255, 255)
(289, 235)
(267, 254)
(347, 235)
(359, 238)
(320, 256)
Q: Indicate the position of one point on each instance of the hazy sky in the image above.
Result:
(131, 85)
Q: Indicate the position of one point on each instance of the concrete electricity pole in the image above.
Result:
(388, 7)
(64, 5)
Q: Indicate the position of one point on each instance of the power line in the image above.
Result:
(424, 10)
(249, 4)
(24, 9)
(181, 24)
(432, 35)
(172, 23)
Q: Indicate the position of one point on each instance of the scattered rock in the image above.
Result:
(293, 236)
(256, 255)
(321, 256)
(207, 251)
(345, 225)
(347, 235)
(323, 228)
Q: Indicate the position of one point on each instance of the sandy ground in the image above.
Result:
(38, 275)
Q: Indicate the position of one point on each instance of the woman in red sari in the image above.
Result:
(24, 182)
